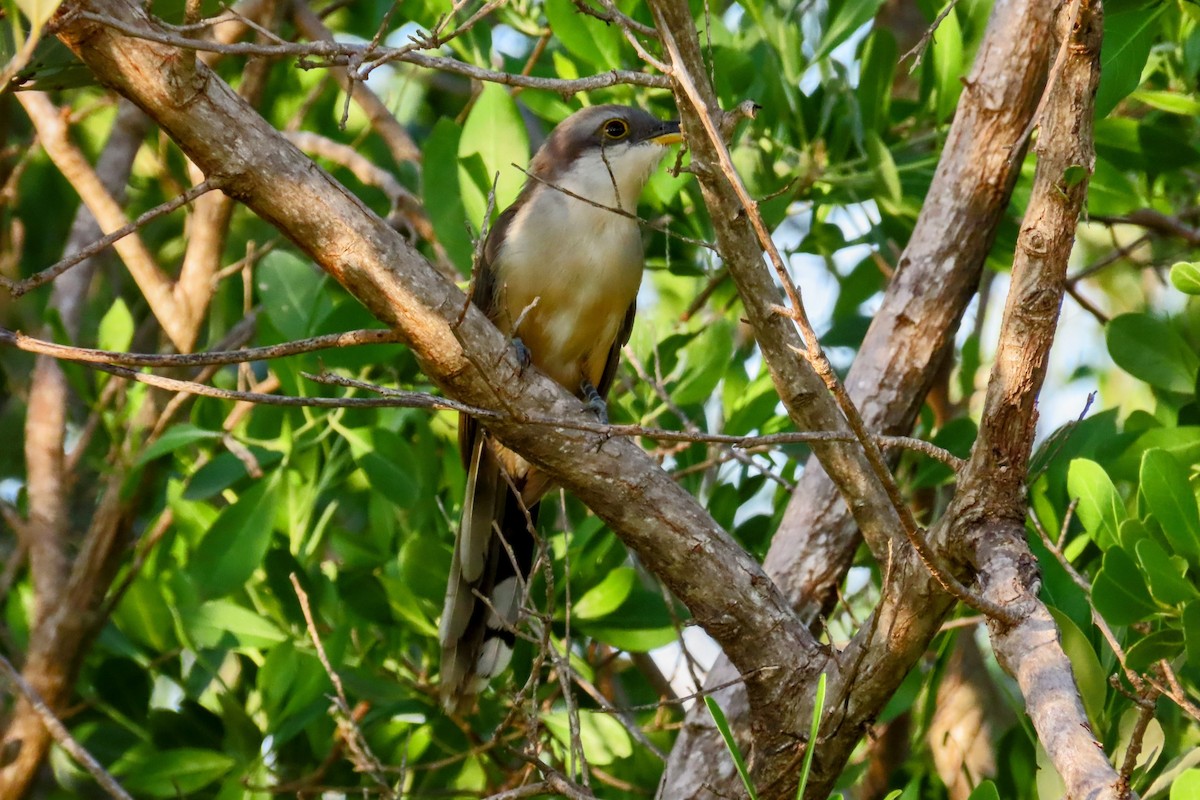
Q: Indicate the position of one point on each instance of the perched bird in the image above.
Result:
(560, 274)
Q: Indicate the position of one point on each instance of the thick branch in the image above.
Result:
(991, 503)
(907, 342)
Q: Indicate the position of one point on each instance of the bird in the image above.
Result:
(559, 274)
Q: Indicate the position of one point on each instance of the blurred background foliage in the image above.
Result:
(204, 682)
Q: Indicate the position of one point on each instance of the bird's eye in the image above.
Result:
(616, 129)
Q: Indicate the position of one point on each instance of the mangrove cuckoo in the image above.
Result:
(560, 274)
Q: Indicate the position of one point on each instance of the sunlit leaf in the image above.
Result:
(1169, 496)
(1100, 507)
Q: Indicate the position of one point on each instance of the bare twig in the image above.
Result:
(362, 757)
(18, 288)
(61, 734)
(342, 53)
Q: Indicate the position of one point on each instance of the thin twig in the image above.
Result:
(341, 53)
(362, 757)
(61, 734)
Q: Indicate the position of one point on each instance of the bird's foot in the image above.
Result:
(594, 400)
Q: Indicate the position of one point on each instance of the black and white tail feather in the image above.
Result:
(493, 554)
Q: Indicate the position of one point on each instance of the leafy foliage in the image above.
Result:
(204, 680)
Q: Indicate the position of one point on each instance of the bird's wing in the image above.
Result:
(614, 353)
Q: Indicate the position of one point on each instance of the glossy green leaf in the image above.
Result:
(1100, 507)
(1187, 785)
(222, 623)
(1185, 276)
(1165, 575)
(237, 542)
(639, 625)
(1153, 647)
(1090, 677)
(606, 596)
(1119, 591)
(946, 52)
(1152, 350)
(1170, 498)
(495, 133)
(1128, 36)
(1170, 102)
(1132, 531)
(586, 38)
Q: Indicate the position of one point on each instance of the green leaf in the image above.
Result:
(603, 737)
(1191, 631)
(495, 132)
(1119, 592)
(116, 328)
(1100, 507)
(1128, 36)
(1155, 647)
(222, 623)
(731, 744)
(291, 291)
(876, 77)
(237, 541)
(607, 596)
(1186, 786)
(639, 625)
(170, 773)
(1152, 740)
(1164, 482)
(707, 360)
(1164, 575)
(1185, 276)
(851, 16)
(1170, 102)
(985, 791)
(173, 438)
(442, 195)
(884, 167)
(1151, 350)
(813, 729)
(584, 37)
(947, 55)
(1090, 677)
(1132, 531)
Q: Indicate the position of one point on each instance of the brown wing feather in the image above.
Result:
(614, 353)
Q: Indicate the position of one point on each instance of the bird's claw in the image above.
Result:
(595, 401)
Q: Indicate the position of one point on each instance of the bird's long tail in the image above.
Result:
(483, 593)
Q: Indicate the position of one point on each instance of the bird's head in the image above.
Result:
(605, 145)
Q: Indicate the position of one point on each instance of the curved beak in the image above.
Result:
(669, 133)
